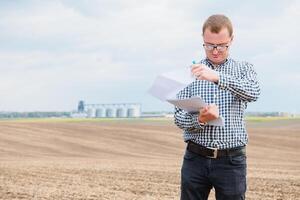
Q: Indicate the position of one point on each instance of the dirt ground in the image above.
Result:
(131, 159)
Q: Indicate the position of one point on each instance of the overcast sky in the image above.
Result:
(57, 52)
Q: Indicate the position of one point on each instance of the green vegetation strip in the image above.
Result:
(268, 119)
(87, 120)
(134, 120)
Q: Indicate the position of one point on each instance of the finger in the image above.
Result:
(213, 111)
(196, 73)
(202, 119)
(197, 70)
(213, 105)
(207, 114)
(204, 115)
(200, 75)
(194, 66)
(197, 65)
(202, 68)
(204, 109)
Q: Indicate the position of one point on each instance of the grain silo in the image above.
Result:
(100, 112)
(91, 113)
(134, 110)
(110, 112)
(121, 112)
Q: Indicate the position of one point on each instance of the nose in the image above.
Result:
(215, 51)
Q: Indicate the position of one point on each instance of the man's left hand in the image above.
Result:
(208, 113)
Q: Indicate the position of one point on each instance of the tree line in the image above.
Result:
(33, 114)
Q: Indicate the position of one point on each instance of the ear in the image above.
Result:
(231, 38)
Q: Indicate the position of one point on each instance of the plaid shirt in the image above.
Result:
(237, 86)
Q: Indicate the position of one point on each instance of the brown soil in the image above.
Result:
(127, 160)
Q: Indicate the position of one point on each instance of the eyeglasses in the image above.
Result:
(218, 47)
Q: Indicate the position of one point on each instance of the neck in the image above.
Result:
(216, 64)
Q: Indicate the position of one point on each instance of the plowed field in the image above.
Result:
(131, 159)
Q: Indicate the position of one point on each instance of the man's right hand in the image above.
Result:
(202, 72)
(208, 113)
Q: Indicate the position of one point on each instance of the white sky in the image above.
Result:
(57, 52)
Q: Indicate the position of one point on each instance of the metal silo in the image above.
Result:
(100, 112)
(91, 113)
(121, 112)
(110, 112)
(134, 110)
(130, 112)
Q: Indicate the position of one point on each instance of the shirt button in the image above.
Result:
(214, 144)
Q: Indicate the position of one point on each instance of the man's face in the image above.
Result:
(219, 54)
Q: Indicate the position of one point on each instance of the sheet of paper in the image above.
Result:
(164, 88)
(193, 105)
(167, 85)
(181, 75)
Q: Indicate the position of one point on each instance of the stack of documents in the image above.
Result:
(167, 85)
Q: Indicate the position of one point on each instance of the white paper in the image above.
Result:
(167, 85)
(182, 75)
(164, 88)
(193, 105)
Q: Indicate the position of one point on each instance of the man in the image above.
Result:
(215, 155)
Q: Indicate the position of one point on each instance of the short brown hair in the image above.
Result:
(216, 22)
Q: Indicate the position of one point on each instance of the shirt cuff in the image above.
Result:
(223, 82)
(196, 123)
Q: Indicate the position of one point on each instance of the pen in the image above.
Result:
(191, 67)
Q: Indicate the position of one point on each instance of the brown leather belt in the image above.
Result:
(214, 152)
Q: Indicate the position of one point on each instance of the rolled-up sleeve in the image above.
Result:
(184, 120)
(245, 87)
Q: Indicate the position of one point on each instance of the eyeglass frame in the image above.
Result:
(216, 46)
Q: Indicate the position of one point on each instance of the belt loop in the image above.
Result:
(227, 152)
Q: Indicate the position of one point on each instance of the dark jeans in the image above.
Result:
(226, 174)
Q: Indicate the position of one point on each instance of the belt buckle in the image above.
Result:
(215, 152)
